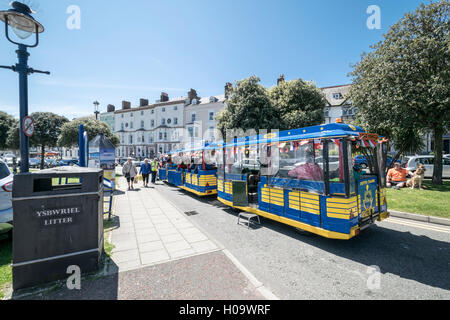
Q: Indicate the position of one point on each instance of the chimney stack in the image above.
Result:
(280, 79)
(126, 105)
(143, 102)
(192, 95)
(164, 97)
(111, 108)
(228, 89)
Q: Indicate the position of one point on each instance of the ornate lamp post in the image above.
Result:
(96, 111)
(24, 25)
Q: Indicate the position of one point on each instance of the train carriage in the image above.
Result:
(304, 178)
(194, 170)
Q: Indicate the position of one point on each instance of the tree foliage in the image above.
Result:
(299, 104)
(13, 140)
(248, 107)
(69, 132)
(6, 122)
(402, 87)
(48, 127)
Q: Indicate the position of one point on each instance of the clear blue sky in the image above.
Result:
(128, 50)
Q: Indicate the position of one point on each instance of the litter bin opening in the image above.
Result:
(57, 184)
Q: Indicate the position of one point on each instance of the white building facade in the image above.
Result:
(150, 130)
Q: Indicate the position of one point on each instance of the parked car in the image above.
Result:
(363, 163)
(68, 163)
(411, 163)
(9, 160)
(6, 182)
(34, 162)
(50, 163)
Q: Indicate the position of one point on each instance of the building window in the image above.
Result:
(126, 125)
(153, 111)
(122, 115)
(337, 96)
(163, 121)
(169, 121)
(175, 121)
(131, 139)
(131, 125)
(142, 124)
(122, 126)
(143, 139)
(327, 112)
(153, 123)
(191, 132)
(165, 136)
(163, 109)
(160, 136)
(211, 116)
(142, 113)
(175, 108)
(131, 115)
(192, 117)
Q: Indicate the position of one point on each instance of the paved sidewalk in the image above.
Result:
(151, 230)
(210, 276)
(160, 254)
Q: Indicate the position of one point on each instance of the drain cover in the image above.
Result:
(191, 213)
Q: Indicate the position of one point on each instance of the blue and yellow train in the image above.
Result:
(303, 178)
(192, 170)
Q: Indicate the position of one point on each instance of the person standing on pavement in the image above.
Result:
(146, 169)
(129, 171)
(154, 170)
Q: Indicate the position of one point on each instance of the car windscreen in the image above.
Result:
(4, 171)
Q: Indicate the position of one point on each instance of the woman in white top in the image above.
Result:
(130, 172)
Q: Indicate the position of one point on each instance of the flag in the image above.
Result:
(337, 142)
(304, 142)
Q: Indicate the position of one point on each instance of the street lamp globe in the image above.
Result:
(20, 20)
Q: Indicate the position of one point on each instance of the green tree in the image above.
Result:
(403, 85)
(69, 132)
(248, 107)
(47, 130)
(13, 140)
(299, 104)
(6, 122)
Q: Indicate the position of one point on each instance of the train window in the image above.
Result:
(210, 158)
(220, 163)
(352, 179)
(337, 169)
(299, 164)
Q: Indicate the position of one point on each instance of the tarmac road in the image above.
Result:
(413, 257)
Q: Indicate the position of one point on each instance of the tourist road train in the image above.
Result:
(303, 178)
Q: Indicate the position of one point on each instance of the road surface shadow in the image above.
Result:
(409, 256)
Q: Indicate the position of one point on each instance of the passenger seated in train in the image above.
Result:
(307, 171)
(182, 166)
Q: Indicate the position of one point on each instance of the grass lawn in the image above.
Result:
(5, 263)
(433, 201)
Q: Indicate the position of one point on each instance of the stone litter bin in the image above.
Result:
(58, 223)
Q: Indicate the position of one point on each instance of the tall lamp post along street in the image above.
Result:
(24, 25)
(96, 112)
